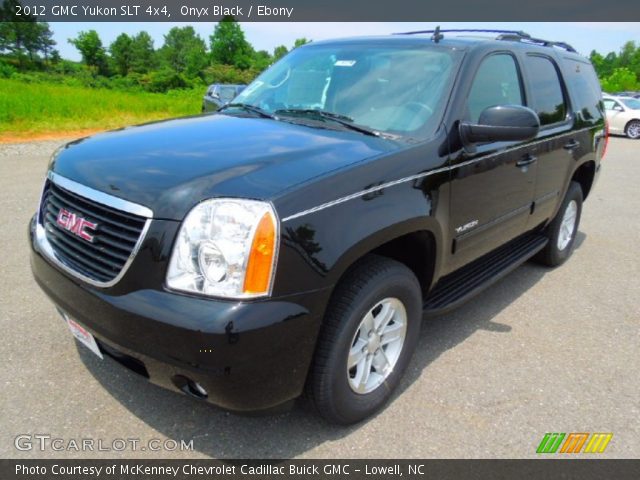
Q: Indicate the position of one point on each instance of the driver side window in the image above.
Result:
(496, 83)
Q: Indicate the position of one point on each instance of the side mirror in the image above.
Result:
(500, 124)
(618, 108)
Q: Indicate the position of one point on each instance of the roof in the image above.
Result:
(459, 39)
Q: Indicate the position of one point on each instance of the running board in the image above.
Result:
(459, 286)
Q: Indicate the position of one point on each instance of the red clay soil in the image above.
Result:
(41, 137)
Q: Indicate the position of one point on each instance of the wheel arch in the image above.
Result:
(414, 243)
(417, 251)
(584, 175)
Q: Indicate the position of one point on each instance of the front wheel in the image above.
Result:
(563, 229)
(633, 129)
(369, 335)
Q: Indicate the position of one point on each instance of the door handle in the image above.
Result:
(528, 159)
(572, 145)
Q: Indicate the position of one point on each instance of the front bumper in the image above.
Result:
(247, 356)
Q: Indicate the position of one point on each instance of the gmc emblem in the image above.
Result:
(76, 224)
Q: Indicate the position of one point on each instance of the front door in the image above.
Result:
(492, 187)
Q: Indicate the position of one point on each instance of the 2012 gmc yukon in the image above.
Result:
(294, 240)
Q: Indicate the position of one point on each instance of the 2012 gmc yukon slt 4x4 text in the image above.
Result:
(295, 239)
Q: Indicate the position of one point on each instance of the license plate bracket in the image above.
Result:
(83, 335)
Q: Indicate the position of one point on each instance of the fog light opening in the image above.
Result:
(190, 387)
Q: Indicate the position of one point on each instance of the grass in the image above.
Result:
(32, 110)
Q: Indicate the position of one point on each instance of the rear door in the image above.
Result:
(556, 140)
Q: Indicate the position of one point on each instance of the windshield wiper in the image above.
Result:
(335, 117)
(249, 108)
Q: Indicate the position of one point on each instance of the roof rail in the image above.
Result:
(507, 35)
(465, 30)
(536, 41)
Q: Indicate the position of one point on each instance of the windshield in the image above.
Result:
(631, 103)
(390, 89)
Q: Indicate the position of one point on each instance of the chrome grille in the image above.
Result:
(113, 242)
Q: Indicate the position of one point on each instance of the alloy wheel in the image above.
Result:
(377, 345)
(633, 130)
(567, 226)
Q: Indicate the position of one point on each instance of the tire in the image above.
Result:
(560, 248)
(632, 130)
(375, 287)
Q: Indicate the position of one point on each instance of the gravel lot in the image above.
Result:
(541, 351)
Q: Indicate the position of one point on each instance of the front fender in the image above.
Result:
(318, 247)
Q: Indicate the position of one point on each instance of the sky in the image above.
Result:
(583, 36)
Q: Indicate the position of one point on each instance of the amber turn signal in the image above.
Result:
(257, 279)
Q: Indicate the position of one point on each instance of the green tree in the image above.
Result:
(22, 36)
(93, 53)
(613, 68)
(32, 37)
(12, 28)
(300, 41)
(630, 57)
(184, 51)
(279, 52)
(55, 57)
(597, 60)
(132, 54)
(229, 46)
(45, 42)
(611, 61)
(261, 60)
(143, 54)
(621, 79)
(627, 53)
(122, 54)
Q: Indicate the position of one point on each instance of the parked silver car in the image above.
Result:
(218, 95)
(623, 115)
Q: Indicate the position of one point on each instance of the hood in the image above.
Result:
(172, 165)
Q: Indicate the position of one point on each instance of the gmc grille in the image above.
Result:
(114, 239)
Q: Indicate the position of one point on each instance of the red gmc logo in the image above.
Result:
(76, 224)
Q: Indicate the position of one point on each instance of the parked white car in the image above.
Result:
(623, 115)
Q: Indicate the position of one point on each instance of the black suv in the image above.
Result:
(295, 240)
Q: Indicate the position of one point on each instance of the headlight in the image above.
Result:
(226, 248)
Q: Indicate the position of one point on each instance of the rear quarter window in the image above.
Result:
(584, 87)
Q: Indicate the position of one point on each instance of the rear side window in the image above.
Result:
(585, 87)
(496, 83)
(547, 98)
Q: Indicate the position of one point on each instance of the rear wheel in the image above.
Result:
(563, 229)
(370, 332)
(633, 129)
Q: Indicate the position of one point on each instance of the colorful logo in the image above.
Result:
(573, 442)
(76, 224)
